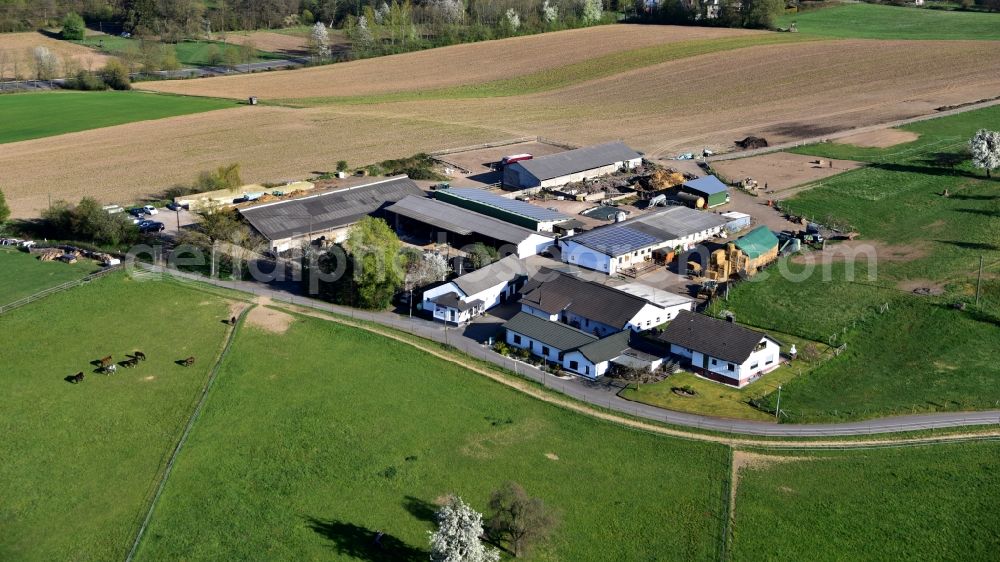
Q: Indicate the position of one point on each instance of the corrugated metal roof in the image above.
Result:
(554, 334)
(757, 242)
(717, 338)
(709, 185)
(458, 220)
(579, 160)
(647, 230)
(328, 210)
(513, 206)
(505, 270)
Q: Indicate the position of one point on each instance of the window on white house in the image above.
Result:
(657, 319)
(754, 366)
(714, 362)
(545, 351)
(769, 361)
(730, 366)
(647, 323)
(586, 370)
(574, 365)
(517, 338)
(761, 345)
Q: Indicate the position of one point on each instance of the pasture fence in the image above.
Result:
(57, 289)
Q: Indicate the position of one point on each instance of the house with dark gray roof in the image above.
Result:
(416, 214)
(721, 350)
(470, 295)
(575, 350)
(598, 309)
(571, 166)
(630, 244)
(290, 222)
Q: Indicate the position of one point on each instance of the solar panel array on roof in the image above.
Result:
(510, 205)
(672, 223)
(328, 210)
(579, 160)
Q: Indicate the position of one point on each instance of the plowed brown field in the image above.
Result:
(783, 92)
(469, 63)
(20, 45)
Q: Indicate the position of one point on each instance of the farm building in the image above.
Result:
(595, 308)
(575, 350)
(465, 297)
(745, 256)
(291, 222)
(760, 246)
(506, 209)
(226, 197)
(461, 226)
(606, 213)
(721, 350)
(629, 245)
(709, 188)
(737, 221)
(570, 166)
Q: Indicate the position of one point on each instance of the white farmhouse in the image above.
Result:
(721, 350)
(463, 298)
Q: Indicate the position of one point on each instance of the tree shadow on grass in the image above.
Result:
(983, 212)
(969, 245)
(925, 170)
(421, 509)
(360, 542)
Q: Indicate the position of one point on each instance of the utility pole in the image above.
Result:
(979, 283)
(777, 410)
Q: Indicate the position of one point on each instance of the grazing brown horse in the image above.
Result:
(77, 378)
(188, 362)
(106, 361)
(139, 355)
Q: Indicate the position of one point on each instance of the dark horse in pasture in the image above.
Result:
(77, 378)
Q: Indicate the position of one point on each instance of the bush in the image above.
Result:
(73, 28)
(115, 75)
(85, 80)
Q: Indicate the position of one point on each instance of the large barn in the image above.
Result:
(506, 209)
(570, 166)
(292, 222)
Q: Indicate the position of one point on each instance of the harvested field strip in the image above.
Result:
(563, 76)
(458, 65)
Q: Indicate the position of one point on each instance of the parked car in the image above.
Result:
(137, 211)
(150, 210)
(151, 226)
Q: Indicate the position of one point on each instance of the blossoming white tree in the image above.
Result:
(592, 10)
(457, 537)
(550, 12)
(319, 41)
(513, 20)
(985, 148)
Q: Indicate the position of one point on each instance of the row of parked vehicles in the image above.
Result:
(145, 225)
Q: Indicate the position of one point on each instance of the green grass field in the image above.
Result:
(921, 354)
(926, 503)
(81, 460)
(189, 53)
(870, 21)
(45, 114)
(21, 274)
(309, 444)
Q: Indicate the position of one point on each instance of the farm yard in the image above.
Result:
(926, 503)
(22, 274)
(894, 315)
(825, 85)
(38, 115)
(782, 170)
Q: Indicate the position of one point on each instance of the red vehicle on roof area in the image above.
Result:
(507, 160)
